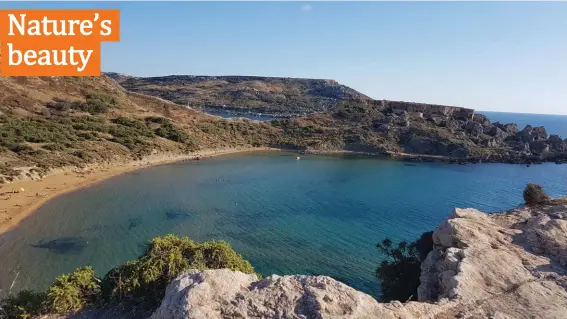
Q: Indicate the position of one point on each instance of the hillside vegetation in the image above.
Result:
(48, 122)
(272, 95)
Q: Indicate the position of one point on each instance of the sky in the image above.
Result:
(490, 56)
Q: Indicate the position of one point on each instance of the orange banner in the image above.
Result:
(55, 42)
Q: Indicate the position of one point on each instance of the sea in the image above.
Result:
(320, 215)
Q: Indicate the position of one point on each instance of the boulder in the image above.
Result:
(511, 128)
(452, 124)
(525, 135)
(539, 133)
(556, 143)
(483, 120)
(416, 115)
(539, 147)
(437, 120)
(474, 128)
(497, 132)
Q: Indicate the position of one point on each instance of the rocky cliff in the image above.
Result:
(507, 265)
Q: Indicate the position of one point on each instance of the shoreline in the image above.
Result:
(15, 207)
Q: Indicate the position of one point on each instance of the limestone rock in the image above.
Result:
(513, 262)
(539, 147)
(539, 133)
(557, 143)
(224, 293)
(474, 128)
(507, 265)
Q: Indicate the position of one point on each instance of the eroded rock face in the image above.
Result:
(508, 265)
(224, 293)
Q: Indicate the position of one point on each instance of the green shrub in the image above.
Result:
(73, 292)
(165, 258)
(140, 282)
(84, 155)
(34, 130)
(54, 147)
(157, 119)
(26, 304)
(97, 103)
(170, 132)
(535, 195)
(399, 272)
(137, 125)
(86, 136)
(21, 148)
(64, 105)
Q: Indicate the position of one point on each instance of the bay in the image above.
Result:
(317, 215)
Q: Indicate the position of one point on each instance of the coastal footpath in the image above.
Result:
(505, 265)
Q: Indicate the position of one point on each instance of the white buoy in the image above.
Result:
(298, 158)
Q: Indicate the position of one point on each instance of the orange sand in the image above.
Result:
(15, 206)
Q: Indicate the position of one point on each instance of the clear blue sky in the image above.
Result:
(488, 56)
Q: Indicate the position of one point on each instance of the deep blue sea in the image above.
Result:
(318, 215)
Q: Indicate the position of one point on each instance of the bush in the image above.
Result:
(62, 105)
(97, 103)
(73, 292)
(157, 119)
(54, 147)
(170, 132)
(166, 257)
(26, 304)
(535, 195)
(143, 279)
(21, 148)
(399, 273)
(84, 155)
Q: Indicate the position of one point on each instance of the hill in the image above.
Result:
(329, 117)
(49, 122)
(243, 94)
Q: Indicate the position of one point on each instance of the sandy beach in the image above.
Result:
(15, 204)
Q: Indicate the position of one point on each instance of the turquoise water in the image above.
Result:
(554, 124)
(318, 215)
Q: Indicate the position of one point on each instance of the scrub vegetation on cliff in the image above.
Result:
(138, 283)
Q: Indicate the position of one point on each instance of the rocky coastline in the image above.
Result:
(322, 116)
(504, 265)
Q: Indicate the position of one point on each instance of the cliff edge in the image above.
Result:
(506, 265)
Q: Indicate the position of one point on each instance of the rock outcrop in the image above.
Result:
(508, 265)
